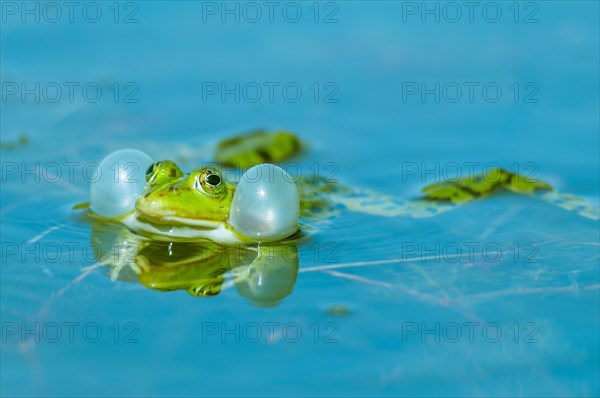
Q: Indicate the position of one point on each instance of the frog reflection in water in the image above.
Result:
(263, 273)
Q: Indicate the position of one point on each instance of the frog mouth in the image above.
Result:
(151, 213)
(172, 221)
(191, 222)
(176, 228)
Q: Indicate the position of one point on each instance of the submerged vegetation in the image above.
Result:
(478, 186)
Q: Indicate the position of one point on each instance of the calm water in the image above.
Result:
(428, 322)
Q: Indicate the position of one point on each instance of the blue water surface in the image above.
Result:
(427, 322)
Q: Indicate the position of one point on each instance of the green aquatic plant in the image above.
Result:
(21, 141)
(260, 146)
(479, 186)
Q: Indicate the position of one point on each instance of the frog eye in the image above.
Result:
(213, 179)
(209, 181)
(151, 171)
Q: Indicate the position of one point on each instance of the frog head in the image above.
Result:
(202, 198)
